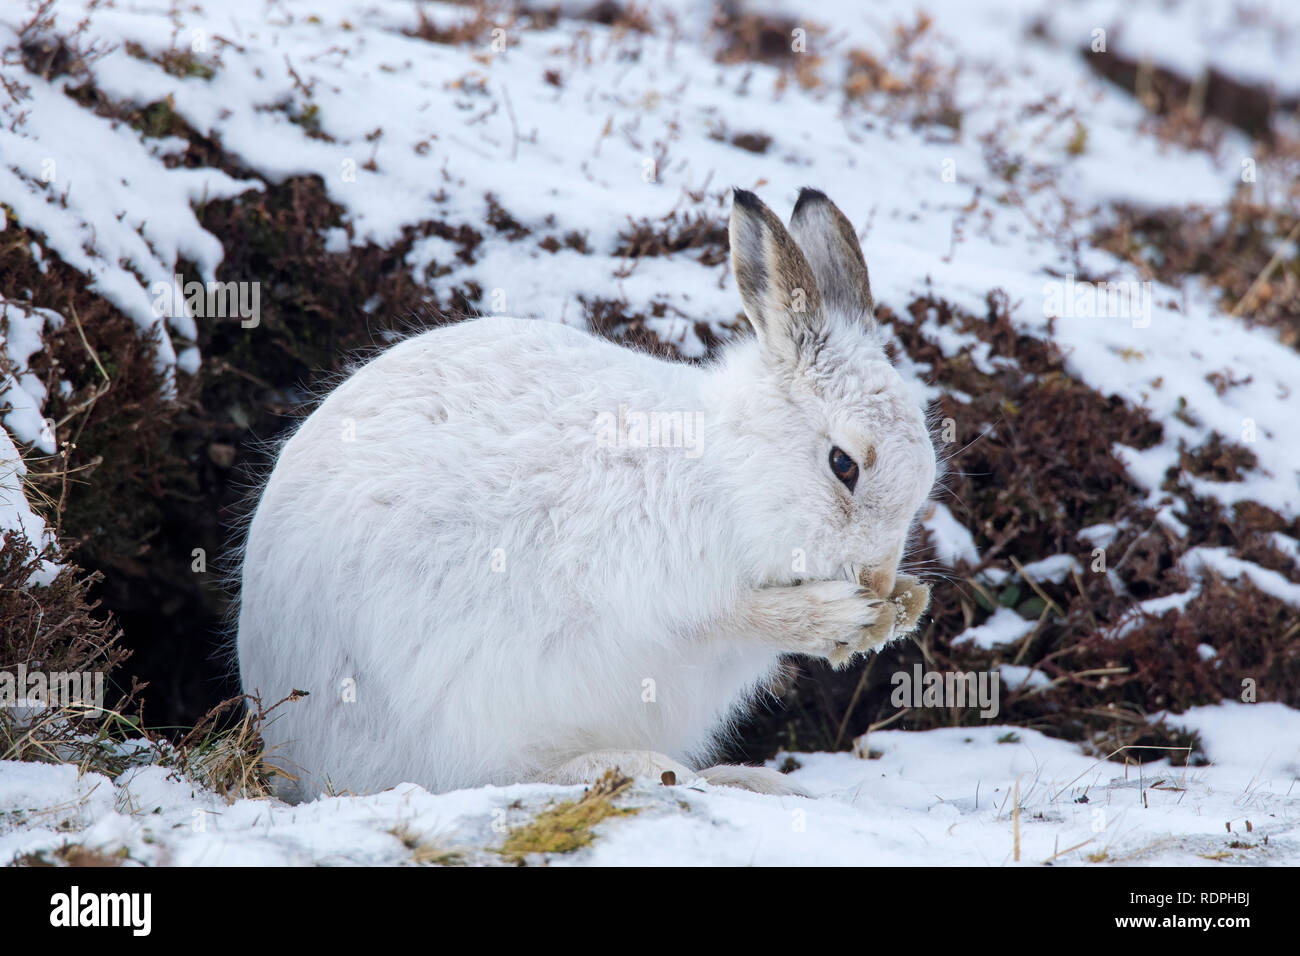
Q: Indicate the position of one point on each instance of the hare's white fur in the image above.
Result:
(475, 586)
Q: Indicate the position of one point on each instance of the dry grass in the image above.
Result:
(228, 755)
(425, 850)
(472, 28)
(71, 855)
(567, 826)
(907, 82)
(676, 232)
(1189, 107)
(55, 628)
(1241, 254)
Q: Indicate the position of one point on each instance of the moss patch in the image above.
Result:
(567, 826)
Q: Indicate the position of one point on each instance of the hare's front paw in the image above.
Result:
(900, 615)
(832, 619)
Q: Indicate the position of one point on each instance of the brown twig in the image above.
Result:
(853, 701)
(1260, 279)
(1034, 584)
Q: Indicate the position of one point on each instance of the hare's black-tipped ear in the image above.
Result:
(831, 248)
(776, 286)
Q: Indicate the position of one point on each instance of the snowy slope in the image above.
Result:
(935, 798)
(411, 131)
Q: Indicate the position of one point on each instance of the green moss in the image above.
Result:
(182, 63)
(308, 119)
(568, 826)
(1078, 141)
(157, 120)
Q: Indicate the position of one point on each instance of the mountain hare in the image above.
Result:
(506, 550)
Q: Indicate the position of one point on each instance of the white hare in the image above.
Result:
(483, 567)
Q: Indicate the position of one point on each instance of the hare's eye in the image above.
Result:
(845, 468)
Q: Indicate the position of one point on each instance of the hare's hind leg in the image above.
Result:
(649, 764)
(633, 763)
(754, 779)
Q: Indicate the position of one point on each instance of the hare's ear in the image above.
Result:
(776, 286)
(831, 247)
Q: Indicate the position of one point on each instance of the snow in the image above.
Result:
(21, 391)
(1206, 34)
(1054, 569)
(1005, 626)
(1260, 738)
(412, 131)
(104, 199)
(1017, 677)
(1152, 607)
(15, 511)
(940, 797)
(952, 541)
(1222, 561)
(23, 395)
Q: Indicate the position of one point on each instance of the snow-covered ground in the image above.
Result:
(638, 127)
(634, 126)
(938, 798)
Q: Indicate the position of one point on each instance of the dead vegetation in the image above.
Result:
(1248, 252)
(567, 826)
(676, 232)
(1184, 103)
(621, 16)
(54, 625)
(785, 42)
(57, 629)
(479, 19)
(118, 478)
(48, 52)
(907, 82)
(145, 483)
(71, 855)
(760, 37)
(615, 320)
(427, 850)
(224, 751)
(181, 63)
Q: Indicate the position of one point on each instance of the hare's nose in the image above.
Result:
(881, 582)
